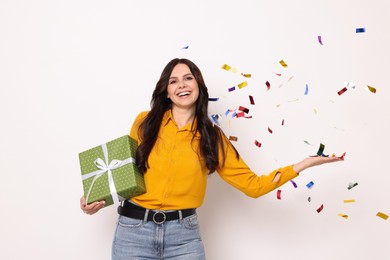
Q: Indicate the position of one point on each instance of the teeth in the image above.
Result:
(183, 94)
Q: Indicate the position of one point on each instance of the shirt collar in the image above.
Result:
(168, 117)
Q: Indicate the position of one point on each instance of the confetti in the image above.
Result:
(226, 67)
(306, 142)
(342, 156)
(283, 63)
(309, 199)
(321, 150)
(315, 111)
(243, 109)
(213, 99)
(233, 138)
(240, 114)
(251, 100)
(310, 184)
(216, 118)
(320, 39)
(294, 184)
(278, 74)
(270, 130)
(232, 88)
(185, 48)
(283, 122)
(278, 194)
(360, 30)
(320, 208)
(349, 201)
(268, 85)
(227, 112)
(343, 216)
(342, 91)
(257, 144)
(246, 75)
(234, 70)
(242, 84)
(307, 89)
(372, 89)
(351, 185)
(382, 215)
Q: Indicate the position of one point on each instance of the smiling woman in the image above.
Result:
(183, 91)
(178, 148)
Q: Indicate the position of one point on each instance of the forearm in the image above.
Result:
(313, 161)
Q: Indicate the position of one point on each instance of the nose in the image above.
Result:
(182, 84)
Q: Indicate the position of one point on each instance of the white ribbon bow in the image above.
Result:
(104, 167)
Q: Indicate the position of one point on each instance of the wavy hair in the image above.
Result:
(211, 135)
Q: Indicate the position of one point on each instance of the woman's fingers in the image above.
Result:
(91, 208)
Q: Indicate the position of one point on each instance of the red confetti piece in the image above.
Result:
(342, 91)
(268, 85)
(283, 122)
(342, 156)
(251, 100)
(240, 114)
(270, 130)
(243, 109)
(278, 194)
(278, 74)
(257, 144)
(320, 208)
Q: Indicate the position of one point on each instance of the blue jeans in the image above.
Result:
(176, 239)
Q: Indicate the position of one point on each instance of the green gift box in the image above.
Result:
(109, 172)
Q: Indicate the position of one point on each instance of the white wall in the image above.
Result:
(74, 74)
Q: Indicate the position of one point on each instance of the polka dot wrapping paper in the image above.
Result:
(109, 172)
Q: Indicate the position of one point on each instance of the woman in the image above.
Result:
(178, 147)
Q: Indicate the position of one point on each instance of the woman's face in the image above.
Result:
(183, 90)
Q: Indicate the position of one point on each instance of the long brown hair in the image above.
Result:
(211, 135)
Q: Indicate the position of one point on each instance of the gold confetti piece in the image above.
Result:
(233, 138)
(343, 216)
(226, 67)
(349, 201)
(246, 75)
(242, 84)
(382, 215)
(283, 63)
(372, 89)
(315, 111)
(234, 70)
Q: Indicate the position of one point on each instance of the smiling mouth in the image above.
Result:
(182, 94)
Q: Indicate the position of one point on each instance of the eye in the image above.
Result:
(172, 81)
(189, 78)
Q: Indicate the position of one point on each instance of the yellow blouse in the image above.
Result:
(177, 176)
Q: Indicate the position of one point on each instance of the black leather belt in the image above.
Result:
(131, 210)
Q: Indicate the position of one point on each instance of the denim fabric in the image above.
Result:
(176, 240)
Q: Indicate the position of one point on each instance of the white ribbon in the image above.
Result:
(104, 167)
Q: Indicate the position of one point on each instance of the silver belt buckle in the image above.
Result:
(157, 213)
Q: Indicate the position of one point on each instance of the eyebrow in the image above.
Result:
(188, 74)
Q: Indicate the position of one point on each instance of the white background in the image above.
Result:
(74, 74)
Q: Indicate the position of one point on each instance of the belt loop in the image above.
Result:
(146, 215)
(180, 216)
